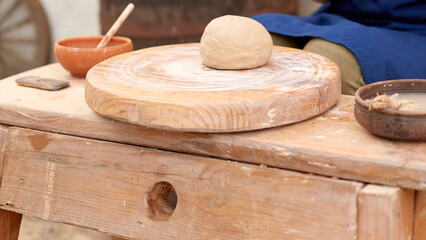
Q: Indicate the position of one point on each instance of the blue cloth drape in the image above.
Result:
(388, 37)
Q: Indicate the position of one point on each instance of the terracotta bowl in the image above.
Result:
(389, 123)
(78, 55)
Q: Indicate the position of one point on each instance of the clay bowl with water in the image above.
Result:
(78, 55)
(390, 123)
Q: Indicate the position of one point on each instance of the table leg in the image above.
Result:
(10, 222)
(420, 216)
(385, 213)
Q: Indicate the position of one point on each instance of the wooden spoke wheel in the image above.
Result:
(24, 36)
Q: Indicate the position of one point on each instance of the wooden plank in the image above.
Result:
(122, 190)
(3, 137)
(7, 223)
(385, 213)
(420, 216)
(333, 144)
(10, 222)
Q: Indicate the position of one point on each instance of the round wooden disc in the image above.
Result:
(168, 87)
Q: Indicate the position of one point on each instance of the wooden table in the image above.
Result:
(324, 178)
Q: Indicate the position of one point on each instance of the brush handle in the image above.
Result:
(117, 24)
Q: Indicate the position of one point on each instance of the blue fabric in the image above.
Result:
(388, 37)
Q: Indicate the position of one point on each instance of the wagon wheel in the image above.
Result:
(24, 36)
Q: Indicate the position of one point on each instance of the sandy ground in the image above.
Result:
(37, 229)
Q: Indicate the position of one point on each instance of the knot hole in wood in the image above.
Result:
(161, 200)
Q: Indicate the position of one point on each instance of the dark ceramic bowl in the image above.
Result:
(389, 123)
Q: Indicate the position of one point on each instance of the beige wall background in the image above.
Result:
(71, 18)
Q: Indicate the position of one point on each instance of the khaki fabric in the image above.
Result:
(285, 41)
(347, 62)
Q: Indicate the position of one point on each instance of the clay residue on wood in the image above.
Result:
(39, 141)
(392, 102)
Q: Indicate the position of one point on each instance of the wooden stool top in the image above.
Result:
(332, 144)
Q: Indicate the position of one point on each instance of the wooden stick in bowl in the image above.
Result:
(117, 24)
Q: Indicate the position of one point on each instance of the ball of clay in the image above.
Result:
(234, 42)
